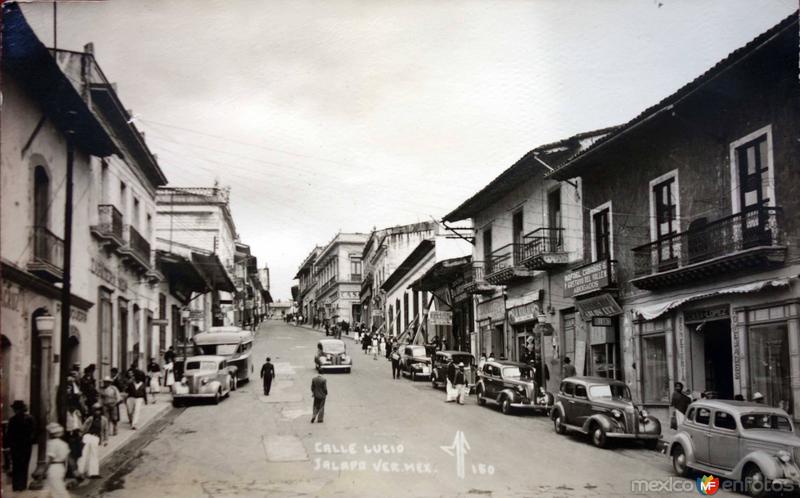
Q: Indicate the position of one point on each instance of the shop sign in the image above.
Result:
(377, 313)
(196, 315)
(107, 275)
(525, 313)
(75, 314)
(494, 310)
(603, 305)
(440, 318)
(10, 296)
(459, 289)
(349, 294)
(716, 313)
(602, 321)
(587, 278)
(545, 329)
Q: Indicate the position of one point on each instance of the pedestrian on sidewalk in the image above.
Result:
(395, 363)
(57, 458)
(678, 403)
(374, 348)
(267, 374)
(88, 386)
(569, 368)
(365, 342)
(19, 443)
(169, 375)
(137, 398)
(169, 355)
(111, 398)
(74, 424)
(154, 379)
(451, 393)
(319, 390)
(460, 382)
(95, 433)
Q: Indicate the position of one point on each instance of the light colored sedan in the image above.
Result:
(332, 355)
(204, 377)
(747, 442)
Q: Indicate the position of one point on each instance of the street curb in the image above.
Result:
(165, 407)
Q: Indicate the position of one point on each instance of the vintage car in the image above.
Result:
(602, 408)
(205, 376)
(739, 440)
(441, 359)
(414, 361)
(332, 355)
(231, 342)
(511, 385)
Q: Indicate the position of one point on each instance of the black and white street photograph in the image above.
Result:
(399, 248)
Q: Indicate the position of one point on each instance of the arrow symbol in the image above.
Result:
(458, 449)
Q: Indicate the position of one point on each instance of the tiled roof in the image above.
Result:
(567, 169)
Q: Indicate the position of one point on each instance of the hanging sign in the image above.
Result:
(494, 310)
(587, 278)
(440, 318)
(602, 321)
(545, 329)
(525, 313)
(602, 305)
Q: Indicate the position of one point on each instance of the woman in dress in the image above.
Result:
(111, 398)
(154, 371)
(137, 397)
(57, 455)
(95, 433)
(169, 375)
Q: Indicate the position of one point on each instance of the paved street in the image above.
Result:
(380, 437)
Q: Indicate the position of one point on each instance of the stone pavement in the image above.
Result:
(150, 413)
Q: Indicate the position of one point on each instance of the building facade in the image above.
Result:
(693, 204)
(307, 285)
(338, 273)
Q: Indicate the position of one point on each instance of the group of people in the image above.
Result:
(679, 402)
(92, 414)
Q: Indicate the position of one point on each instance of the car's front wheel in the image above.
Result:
(558, 424)
(413, 376)
(679, 461)
(599, 438)
(234, 384)
(505, 405)
(218, 396)
(479, 394)
(754, 481)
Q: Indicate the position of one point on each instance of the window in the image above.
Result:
(569, 336)
(769, 364)
(487, 244)
(703, 416)
(690, 413)
(554, 219)
(580, 391)
(752, 173)
(724, 420)
(766, 421)
(41, 198)
(655, 378)
(405, 310)
(601, 232)
(517, 227)
(136, 213)
(123, 198)
(664, 212)
(567, 388)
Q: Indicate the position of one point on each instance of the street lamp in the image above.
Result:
(45, 323)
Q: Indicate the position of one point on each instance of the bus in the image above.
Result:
(233, 343)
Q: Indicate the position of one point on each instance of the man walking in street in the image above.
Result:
(267, 374)
(19, 442)
(679, 403)
(319, 389)
(460, 382)
(395, 357)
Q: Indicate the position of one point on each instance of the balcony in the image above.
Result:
(136, 250)
(475, 281)
(505, 265)
(544, 249)
(355, 277)
(48, 255)
(110, 229)
(326, 286)
(750, 239)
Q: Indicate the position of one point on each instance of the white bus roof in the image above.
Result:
(232, 336)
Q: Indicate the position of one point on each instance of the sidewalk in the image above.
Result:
(150, 413)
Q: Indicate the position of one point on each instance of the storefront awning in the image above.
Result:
(653, 311)
(214, 271)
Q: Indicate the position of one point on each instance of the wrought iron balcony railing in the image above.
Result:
(355, 277)
(110, 221)
(138, 248)
(754, 234)
(48, 254)
(544, 248)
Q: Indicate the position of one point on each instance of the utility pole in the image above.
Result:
(66, 296)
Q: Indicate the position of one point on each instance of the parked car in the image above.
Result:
(511, 385)
(332, 355)
(235, 344)
(204, 377)
(602, 408)
(441, 359)
(415, 362)
(739, 440)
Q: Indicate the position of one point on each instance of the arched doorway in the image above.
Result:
(41, 197)
(5, 351)
(73, 350)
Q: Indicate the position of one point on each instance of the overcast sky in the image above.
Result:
(328, 115)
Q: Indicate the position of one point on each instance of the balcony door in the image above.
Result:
(517, 234)
(41, 217)
(664, 197)
(752, 169)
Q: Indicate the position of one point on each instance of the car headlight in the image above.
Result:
(204, 381)
(643, 413)
(784, 456)
(183, 380)
(616, 413)
(796, 453)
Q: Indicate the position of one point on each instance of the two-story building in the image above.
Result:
(383, 252)
(306, 288)
(528, 231)
(338, 276)
(695, 199)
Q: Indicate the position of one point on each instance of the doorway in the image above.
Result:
(712, 358)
